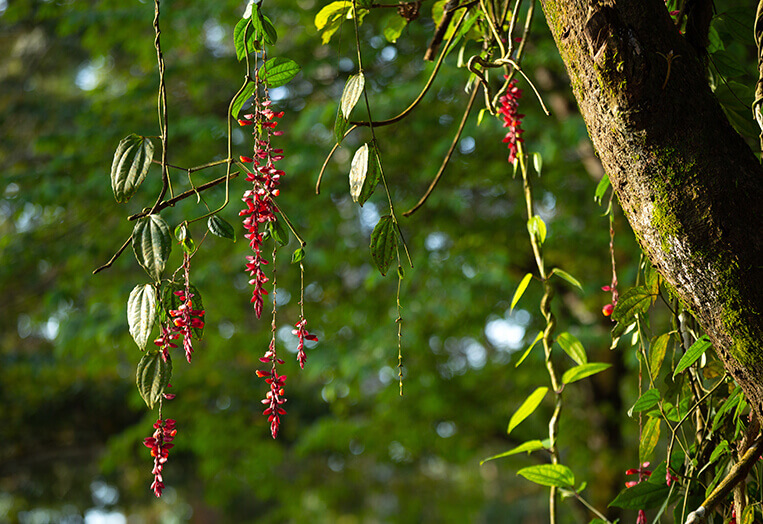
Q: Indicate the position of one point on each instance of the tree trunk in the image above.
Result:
(689, 185)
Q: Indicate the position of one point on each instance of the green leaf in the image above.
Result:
(601, 188)
(351, 94)
(183, 235)
(693, 353)
(520, 289)
(394, 27)
(280, 235)
(220, 228)
(278, 71)
(529, 447)
(549, 475)
(373, 176)
(141, 313)
(270, 36)
(566, 276)
(130, 165)
(358, 170)
(526, 409)
(748, 515)
(633, 301)
(340, 126)
(298, 255)
(537, 227)
(649, 438)
(151, 244)
(573, 347)
(171, 301)
(657, 349)
(647, 401)
(241, 99)
(152, 376)
(527, 351)
(720, 450)
(537, 162)
(383, 243)
(244, 28)
(582, 371)
(643, 495)
(328, 19)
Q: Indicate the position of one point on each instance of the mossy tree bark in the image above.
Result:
(689, 185)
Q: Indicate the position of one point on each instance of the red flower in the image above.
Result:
(511, 118)
(643, 474)
(160, 444)
(608, 309)
(303, 335)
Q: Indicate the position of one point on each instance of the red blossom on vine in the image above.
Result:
(275, 397)
(643, 474)
(164, 341)
(260, 208)
(302, 335)
(512, 119)
(185, 318)
(160, 444)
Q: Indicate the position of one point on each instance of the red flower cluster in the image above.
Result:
(260, 208)
(275, 397)
(164, 341)
(609, 308)
(511, 118)
(160, 444)
(643, 474)
(303, 335)
(185, 318)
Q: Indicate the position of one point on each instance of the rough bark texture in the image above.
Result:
(689, 185)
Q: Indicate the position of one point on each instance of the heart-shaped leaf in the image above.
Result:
(279, 71)
(549, 475)
(130, 165)
(384, 243)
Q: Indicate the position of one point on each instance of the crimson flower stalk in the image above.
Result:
(302, 335)
(512, 119)
(185, 318)
(160, 444)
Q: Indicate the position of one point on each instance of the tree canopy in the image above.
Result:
(79, 78)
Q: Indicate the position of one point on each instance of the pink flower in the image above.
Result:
(607, 310)
(160, 444)
(512, 120)
(185, 318)
(643, 474)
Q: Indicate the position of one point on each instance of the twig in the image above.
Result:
(326, 162)
(115, 257)
(446, 160)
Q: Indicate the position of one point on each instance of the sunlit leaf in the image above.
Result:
(528, 447)
(657, 349)
(566, 276)
(141, 313)
(151, 243)
(526, 409)
(358, 170)
(647, 401)
(537, 227)
(520, 289)
(132, 159)
(241, 99)
(243, 29)
(527, 351)
(394, 27)
(351, 94)
(298, 255)
(373, 176)
(278, 71)
(549, 475)
(693, 353)
(582, 371)
(573, 347)
(650, 435)
(601, 188)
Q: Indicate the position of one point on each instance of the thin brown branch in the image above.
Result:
(449, 154)
(115, 257)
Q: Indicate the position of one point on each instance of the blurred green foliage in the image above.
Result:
(77, 77)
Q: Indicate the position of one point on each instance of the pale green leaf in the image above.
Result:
(527, 408)
(573, 347)
(528, 447)
(520, 289)
(582, 371)
(141, 313)
(549, 475)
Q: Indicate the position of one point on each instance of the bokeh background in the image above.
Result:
(78, 76)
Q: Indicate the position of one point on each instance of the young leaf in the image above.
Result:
(527, 351)
(601, 188)
(219, 227)
(529, 447)
(330, 17)
(649, 438)
(131, 162)
(537, 227)
(582, 371)
(340, 126)
(692, 354)
(373, 175)
(520, 290)
(269, 34)
(644, 495)
(566, 276)
(279, 71)
(572, 346)
(351, 94)
(394, 27)
(151, 243)
(537, 162)
(549, 475)
(647, 401)
(358, 170)
(383, 243)
(152, 376)
(298, 255)
(141, 313)
(657, 349)
(526, 409)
